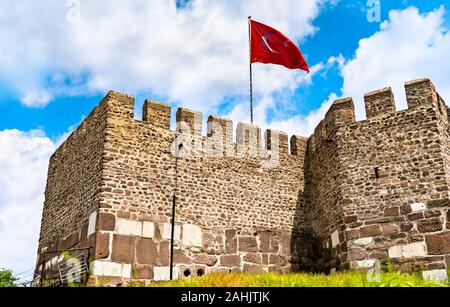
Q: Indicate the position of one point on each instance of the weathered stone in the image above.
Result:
(406, 226)
(146, 251)
(208, 260)
(369, 231)
(123, 248)
(164, 253)
(192, 235)
(106, 221)
(363, 241)
(253, 268)
(415, 216)
(180, 257)
(393, 211)
(352, 234)
(142, 271)
(438, 244)
(264, 242)
(101, 245)
(247, 244)
(253, 258)
(129, 228)
(357, 254)
(148, 230)
(438, 203)
(230, 241)
(230, 260)
(389, 229)
(429, 225)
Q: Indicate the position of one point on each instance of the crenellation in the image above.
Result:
(421, 91)
(341, 112)
(352, 195)
(156, 114)
(248, 139)
(298, 146)
(189, 122)
(379, 102)
(277, 141)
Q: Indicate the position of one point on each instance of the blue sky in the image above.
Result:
(339, 30)
(58, 59)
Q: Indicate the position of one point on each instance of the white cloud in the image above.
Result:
(196, 56)
(409, 45)
(23, 163)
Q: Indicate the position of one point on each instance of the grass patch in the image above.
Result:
(339, 279)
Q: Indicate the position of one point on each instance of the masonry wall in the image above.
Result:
(393, 179)
(352, 194)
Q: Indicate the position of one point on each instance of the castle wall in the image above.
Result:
(351, 195)
(394, 182)
(236, 203)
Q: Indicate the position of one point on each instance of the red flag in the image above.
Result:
(271, 46)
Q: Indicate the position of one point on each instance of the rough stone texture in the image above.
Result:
(260, 207)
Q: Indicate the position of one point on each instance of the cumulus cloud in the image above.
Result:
(23, 163)
(408, 45)
(197, 55)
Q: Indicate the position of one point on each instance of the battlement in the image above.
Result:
(420, 93)
(119, 108)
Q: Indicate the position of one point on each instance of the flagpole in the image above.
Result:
(250, 62)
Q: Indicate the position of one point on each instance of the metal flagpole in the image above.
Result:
(174, 201)
(250, 61)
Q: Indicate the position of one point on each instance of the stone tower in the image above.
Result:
(353, 195)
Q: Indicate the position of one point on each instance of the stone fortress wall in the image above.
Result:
(353, 195)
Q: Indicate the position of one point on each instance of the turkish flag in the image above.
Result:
(271, 46)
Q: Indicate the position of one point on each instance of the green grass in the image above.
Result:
(346, 279)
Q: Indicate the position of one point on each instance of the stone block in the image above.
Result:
(101, 250)
(180, 257)
(146, 251)
(364, 241)
(142, 272)
(264, 242)
(389, 229)
(205, 259)
(416, 207)
(369, 231)
(230, 260)
(438, 244)
(164, 253)
(253, 258)
(106, 221)
(123, 249)
(163, 273)
(247, 244)
(108, 268)
(148, 229)
(253, 268)
(417, 249)
(430, 225)
(192, 235)
(230, 241)
(335, 238)
(393, 211)
(395, 251)
(167, 231)
(130, 228)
